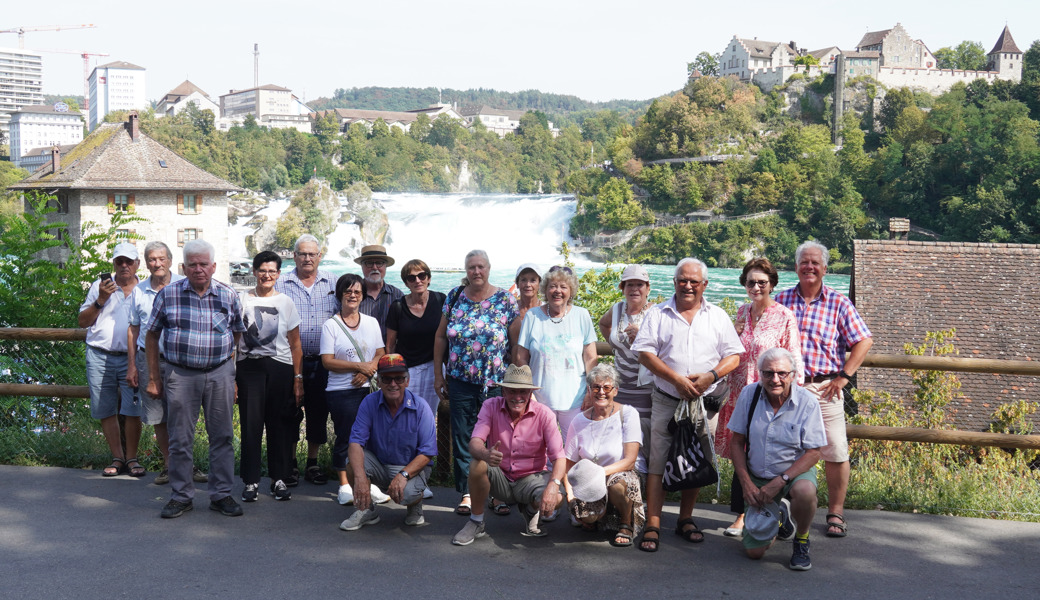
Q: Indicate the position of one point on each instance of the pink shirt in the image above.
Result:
(525, 447)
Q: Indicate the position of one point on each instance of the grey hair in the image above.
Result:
(198, 247)
(303, 239)
(687, 261)
(811, 245)
(776, 354)
(477, 253)
(157, 245)
(603, 372)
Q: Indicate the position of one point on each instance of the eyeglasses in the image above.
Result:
(398, 379)
(783, 375)
(268, 273)
(307, 254)
(753, 284)
(352, 292)
(423, 276)
(566, 270)
(606, 389)
(693, 282)
(379, 264)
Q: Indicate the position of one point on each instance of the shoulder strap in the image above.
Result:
(750, 413)
(453, 297)
(357, 348)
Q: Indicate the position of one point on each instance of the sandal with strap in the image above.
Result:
(843, 529)
(499, 508)
(687, 534)
(465, 507)
(655, 541)
(625, 538)
(116, 468)
(137, 470)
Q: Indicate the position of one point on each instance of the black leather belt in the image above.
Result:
(108, 352)
(821, 378)
(312, 357)
(199, 369)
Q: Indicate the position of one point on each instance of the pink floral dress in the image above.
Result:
(776, 329)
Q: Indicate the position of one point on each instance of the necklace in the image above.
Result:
(627, 319)
(355, 325)
(559, 320)
(602, 428)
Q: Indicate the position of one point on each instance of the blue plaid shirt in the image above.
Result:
(315, 307)
(199, 330)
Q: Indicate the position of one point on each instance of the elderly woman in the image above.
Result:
(472, 340)
(602, 444)
(527, 283)
(269, 379)
(762, 324)
(559, 343)
(619, 326)
(411, 329)
(350, 347)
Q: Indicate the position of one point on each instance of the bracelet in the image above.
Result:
(714, 374)
(298, 376)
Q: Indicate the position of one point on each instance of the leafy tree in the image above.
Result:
(705, 62)
(326, 129)
(893, 104)
(807, 60)
(1031, 63)
(10, 202)
(420, 128)
(967, 55)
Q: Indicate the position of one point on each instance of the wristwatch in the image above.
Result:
(299, 376)
(405, 473)
(557, 482)
(98, 306)
(785, 478)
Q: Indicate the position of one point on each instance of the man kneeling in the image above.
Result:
(514, 437)
(776, 445)
(391, 445)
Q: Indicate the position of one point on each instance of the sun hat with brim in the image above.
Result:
(391, 363)
(527, 267)
(762, 523)
(374, 251)
(518, 378)
(588, 481)
(125, 249)
(635, 272)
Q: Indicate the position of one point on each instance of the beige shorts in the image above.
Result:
(526, 490)
(661, 412)
(837, 448)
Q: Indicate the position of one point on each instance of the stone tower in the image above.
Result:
(1005, 57)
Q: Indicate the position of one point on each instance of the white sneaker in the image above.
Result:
(415, 515)
(378, 497)
(427, 494)
(359, 519)
(346, 494)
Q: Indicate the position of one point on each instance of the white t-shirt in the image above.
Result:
(603, 441)
(334, 341)
(268, 322)
(556, 349)
(109, 329)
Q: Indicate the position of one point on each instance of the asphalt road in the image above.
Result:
(68, 533)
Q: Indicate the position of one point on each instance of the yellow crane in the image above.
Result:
(21, 30)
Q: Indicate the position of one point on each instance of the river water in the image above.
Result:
(512, 228)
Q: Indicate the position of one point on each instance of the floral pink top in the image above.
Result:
(776, 329)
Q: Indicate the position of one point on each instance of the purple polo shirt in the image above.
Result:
(525, 447)
(395, 439)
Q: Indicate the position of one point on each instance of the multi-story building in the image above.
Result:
(119, 169)
(21, 82)
(181, 96)
(271, 105)
(498, 120)
(115, 86)
(37, 127)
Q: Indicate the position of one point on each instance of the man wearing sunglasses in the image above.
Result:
(781, 426)
(379, 294)
(391, 445)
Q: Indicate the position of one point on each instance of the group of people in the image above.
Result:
(565, 434)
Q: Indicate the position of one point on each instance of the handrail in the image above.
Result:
(46, 334)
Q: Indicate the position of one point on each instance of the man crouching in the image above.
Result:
(391, 445)
(776, 445)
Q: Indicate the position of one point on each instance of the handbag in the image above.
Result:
(690, 458)
(373, 382)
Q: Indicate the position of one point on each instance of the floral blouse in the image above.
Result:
(478, 340)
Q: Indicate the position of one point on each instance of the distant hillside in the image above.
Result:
(402, 98)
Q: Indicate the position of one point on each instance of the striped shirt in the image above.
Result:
(626, 361)
(378, 307)
(199, 330)
(315, 306)
(829, 325)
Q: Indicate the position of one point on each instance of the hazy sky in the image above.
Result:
(600, 50)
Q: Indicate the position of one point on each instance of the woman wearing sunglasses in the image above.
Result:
(411, 328)
(762, 324)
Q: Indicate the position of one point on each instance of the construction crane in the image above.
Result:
(86, 72)
(21, 30)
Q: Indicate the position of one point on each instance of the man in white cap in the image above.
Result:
(515, 436)
(104, 313)
(782, 428)
(378, 293)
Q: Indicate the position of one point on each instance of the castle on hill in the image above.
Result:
(892, 57)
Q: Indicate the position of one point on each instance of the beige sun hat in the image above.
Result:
(519, 378)
(374, 251)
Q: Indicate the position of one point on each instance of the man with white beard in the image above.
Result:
(378, 293)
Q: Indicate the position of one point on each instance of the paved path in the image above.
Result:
(68, 533)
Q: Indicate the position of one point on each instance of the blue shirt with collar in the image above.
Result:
(395, 439)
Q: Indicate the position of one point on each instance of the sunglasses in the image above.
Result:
(416, 277)
(783, 375)
(753, 284)
(387, 379)
(606, 389)
(566, 270)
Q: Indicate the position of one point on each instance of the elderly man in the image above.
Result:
(313, 293)
(200, 321)
(515, 436)
(378, 293)
(830, 327)
(781, 426)
(391, 445)
(104, 314)
(689, 344)
(158, 259)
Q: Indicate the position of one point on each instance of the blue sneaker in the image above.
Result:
(800, 556)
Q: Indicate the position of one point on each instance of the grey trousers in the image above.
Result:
(214, 392)
(381, 475)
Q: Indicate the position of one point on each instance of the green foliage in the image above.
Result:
(807, 60)
(706, 63)
(10, 202)
(967, 55)
(613, 207)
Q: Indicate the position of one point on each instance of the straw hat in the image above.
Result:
(374, 251)
(519, 378)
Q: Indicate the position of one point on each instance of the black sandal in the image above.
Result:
(136, 471)
(655, 541)
(687, 534)
(116, 468)
(626, 538)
